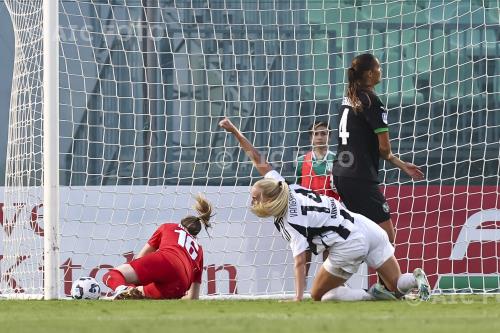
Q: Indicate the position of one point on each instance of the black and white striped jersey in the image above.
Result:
(312, 221)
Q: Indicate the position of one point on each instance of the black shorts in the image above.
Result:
(363, 197)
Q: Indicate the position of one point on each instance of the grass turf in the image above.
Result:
(441, 314)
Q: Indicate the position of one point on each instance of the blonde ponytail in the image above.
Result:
(274, 201)
(204, 209)
(193, 223)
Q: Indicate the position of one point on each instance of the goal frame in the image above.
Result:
(50, 12)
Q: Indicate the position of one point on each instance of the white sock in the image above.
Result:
(346, 294)
(406, 282)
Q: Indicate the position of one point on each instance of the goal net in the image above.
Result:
(142, 86)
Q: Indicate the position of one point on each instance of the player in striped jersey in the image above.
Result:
(309, 221)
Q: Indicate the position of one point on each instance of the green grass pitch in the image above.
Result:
(442, 314)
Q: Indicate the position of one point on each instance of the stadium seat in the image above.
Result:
(495, 96)
(475, 35)
(317, 79)
(407, 13)
(376, 12)
(321, 70)
(339, 67)
(488, 3)
(452, 78)
(325, 82)
(315, 4)
(316, 16)
(398, 85)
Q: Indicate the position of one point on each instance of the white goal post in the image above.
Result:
(50, 148)
(113, 129)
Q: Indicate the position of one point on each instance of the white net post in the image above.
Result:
(51, 148)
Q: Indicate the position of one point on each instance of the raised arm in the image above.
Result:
(258, 161)
(386, 153)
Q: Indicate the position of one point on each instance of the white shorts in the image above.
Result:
(367, 243)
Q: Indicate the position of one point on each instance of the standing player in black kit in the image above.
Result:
(363, 139)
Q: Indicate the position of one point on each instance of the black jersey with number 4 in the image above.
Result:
(358, 149)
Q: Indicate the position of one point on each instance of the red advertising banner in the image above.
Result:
(452, 232)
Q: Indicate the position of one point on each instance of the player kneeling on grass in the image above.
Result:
(169, 266)
(309, 221)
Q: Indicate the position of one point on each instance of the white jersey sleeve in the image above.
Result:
(273, 174)
(298, 243)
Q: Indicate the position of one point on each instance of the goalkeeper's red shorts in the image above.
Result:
(162, 274)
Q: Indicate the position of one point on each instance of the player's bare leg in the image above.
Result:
(328, 287)
(123, 280)
(390, 272)
(128, 273)
(401, 284)
(323, 282)
(389, 229)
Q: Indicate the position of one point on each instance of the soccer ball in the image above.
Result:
(85, 288)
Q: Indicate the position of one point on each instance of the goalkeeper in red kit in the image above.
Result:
(169, 266)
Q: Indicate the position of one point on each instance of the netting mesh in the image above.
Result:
(143, 85)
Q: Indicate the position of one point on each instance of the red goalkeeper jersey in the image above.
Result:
(174, 239)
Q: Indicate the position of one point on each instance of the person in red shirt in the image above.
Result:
(314, 169)
(169, 266)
